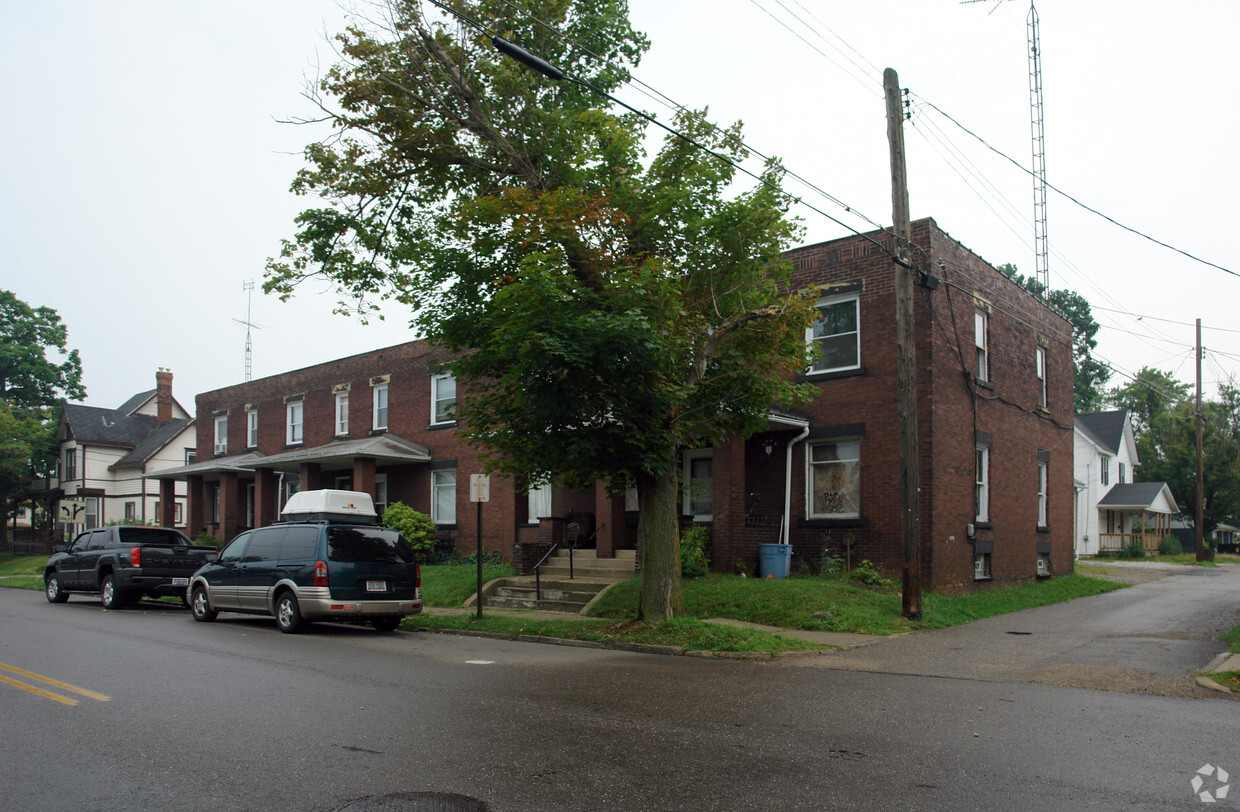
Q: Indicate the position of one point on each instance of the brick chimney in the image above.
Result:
(163, 396)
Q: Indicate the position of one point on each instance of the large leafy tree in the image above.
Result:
(604, 310)
(31, 385)
(1089, 374)
(1149, 396)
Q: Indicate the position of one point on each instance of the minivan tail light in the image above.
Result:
(135, 556)
(320, 573)
(417, 576)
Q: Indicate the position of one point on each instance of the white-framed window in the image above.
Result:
(834, 479)
(191, 456)
(251, 428)
(221, 434)
(293, 434)
(980, 326)
(837, 333)
(697, 495)
(71, 456)
(539, 502)
(131, 511)
(1042, 473)
(380, 392)
(1104, 470)
(290, 486)
(443, 398)
(1041, 361)
(1120, 473)
(981, 483)
(93, 518)
(381, 494)
(981, 566)
(342, 413)
(443, 497)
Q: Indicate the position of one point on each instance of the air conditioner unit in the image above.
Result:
(221, 448)
(1044, 567)
(979, 567)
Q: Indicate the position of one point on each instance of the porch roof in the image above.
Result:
(216, 465)
(388, 449)
(1152, 496)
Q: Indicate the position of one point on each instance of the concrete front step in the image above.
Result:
(580, 595)
(544, 605)
(560, 571)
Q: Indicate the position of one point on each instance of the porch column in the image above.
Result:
(167, 503)
(195, 500)
(232, 506)
(310, 476)
(364, 475)
(609, 519)
(727, 533)
(265, 497)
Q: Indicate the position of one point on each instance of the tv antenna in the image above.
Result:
(248, 287)
(1033, 27)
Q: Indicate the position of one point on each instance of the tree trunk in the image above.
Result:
(658, 539)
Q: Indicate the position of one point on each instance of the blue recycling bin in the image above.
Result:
(774, 559)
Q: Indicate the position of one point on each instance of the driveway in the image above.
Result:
(1150, 638)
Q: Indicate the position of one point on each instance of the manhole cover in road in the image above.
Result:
(414, 802)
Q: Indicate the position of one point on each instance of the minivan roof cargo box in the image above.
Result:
(346, 507)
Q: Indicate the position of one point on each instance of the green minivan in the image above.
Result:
(328, 560)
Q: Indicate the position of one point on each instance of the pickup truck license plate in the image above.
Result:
(180, 582)
(376, 586)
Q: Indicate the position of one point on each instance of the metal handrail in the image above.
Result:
(554, 547)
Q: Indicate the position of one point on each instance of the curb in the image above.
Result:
(636, 648)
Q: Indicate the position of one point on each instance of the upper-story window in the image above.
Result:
(981, 325)
(443, 398)
(834, 479)
(380, 393)
(837, 334)
(1041, 362)
(221, 434)
(1104, 471)
(251, 428)
(1121, 474)
(293, 432)
(70, 464)
(342, 413)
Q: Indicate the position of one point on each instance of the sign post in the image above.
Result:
(479, 492)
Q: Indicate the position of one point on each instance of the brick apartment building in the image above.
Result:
(994, 420)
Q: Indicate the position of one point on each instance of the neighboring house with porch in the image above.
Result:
(107, 455)
(994, 406)
(1111, 509)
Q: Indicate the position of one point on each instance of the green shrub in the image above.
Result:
(832, 566)
(205, 539)
(866, 573)
(417, 528)
(1170, 545)
(1133, 549)
(694, 562)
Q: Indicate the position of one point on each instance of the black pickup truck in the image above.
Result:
(124, 563)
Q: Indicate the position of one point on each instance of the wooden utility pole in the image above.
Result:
(906, 355)
(1199, 532)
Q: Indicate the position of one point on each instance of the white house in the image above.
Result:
(106, 456)
(1111, 509)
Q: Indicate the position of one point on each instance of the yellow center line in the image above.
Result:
(64, 686)
(39, 691)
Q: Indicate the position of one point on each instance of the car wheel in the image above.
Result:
(110, 596)
(53, 591)
(386, 624)
(288, 614)
(200, 607)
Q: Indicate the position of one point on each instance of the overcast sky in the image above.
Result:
(144, 169)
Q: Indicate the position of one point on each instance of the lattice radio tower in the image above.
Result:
(1041, 252)
(248, 287)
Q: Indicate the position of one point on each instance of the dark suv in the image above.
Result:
(331, 562)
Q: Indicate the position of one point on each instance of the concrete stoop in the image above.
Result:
(591, 576)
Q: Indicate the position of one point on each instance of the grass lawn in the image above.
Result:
(22, 564)
(450, 585)
(841, 605)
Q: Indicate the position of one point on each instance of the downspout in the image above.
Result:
(786, 530)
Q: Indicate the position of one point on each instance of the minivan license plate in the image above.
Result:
(376, 586)
(180, 582)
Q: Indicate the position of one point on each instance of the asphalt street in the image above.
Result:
(235, 715)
